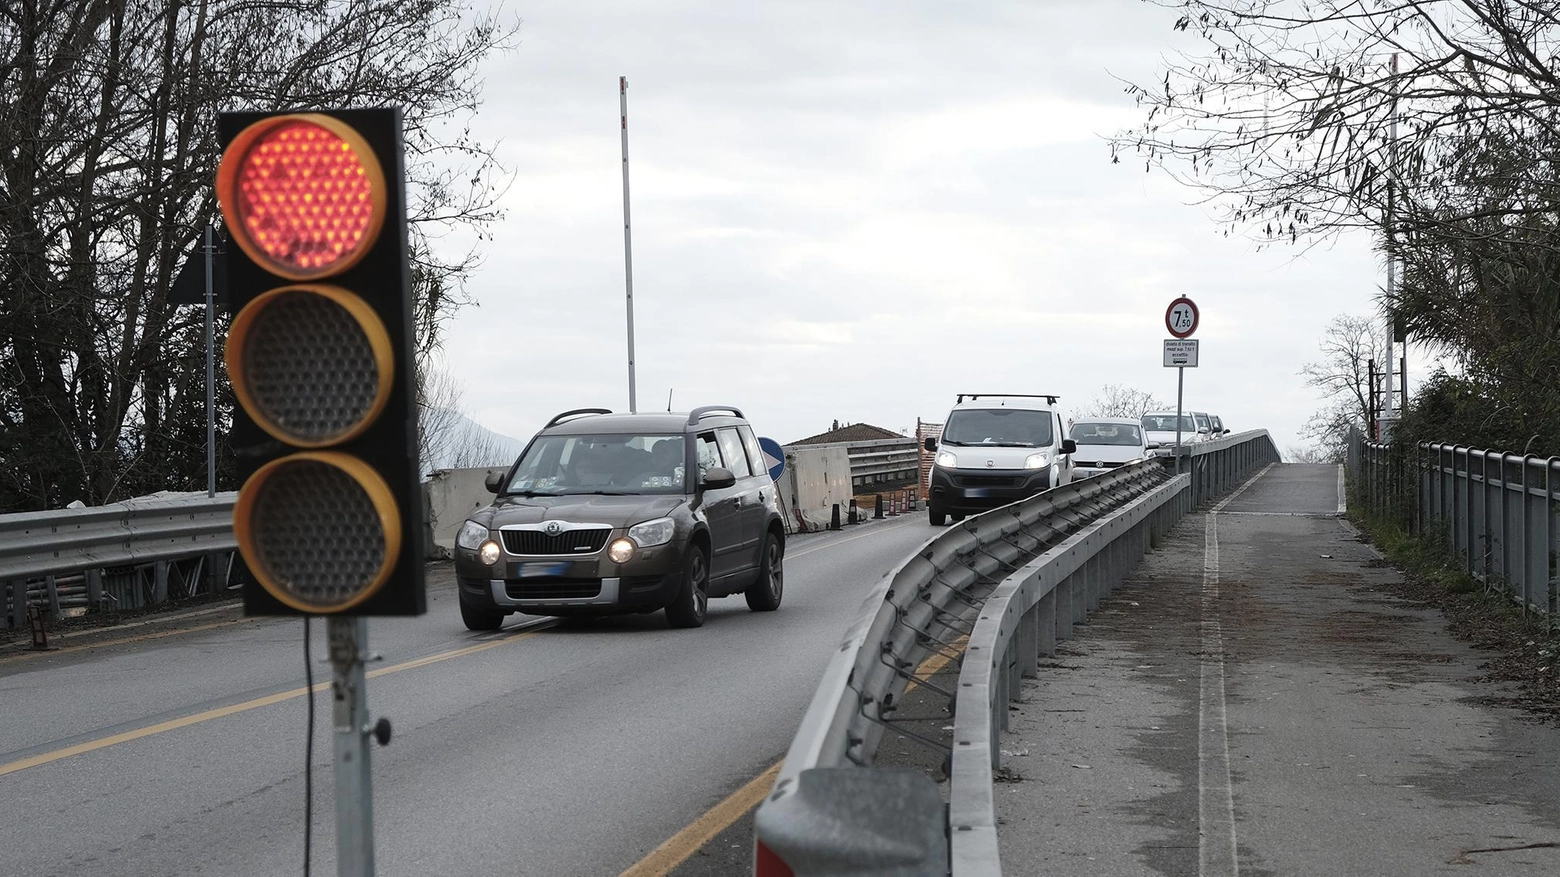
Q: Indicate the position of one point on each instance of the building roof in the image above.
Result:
(850, 432)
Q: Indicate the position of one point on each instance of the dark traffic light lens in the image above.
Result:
(303, 195)
(311, 364)
(319, 530)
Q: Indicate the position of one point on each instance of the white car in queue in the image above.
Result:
(1105, 443)
(1159, 431)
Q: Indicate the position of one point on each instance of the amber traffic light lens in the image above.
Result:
(303, 195)
(311, 364)
(319, 530)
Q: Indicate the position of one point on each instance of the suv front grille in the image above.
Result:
(556, 589)
(536, 542)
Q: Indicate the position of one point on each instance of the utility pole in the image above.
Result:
(628, 246)
(211, 372)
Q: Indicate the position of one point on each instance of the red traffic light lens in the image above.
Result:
(303, 195)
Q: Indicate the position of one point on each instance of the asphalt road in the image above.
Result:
(547, 748)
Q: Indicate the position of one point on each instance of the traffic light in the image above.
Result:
(319, 353)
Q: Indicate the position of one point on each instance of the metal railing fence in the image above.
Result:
(126, 554)
(1498, 512)
(1022, 575)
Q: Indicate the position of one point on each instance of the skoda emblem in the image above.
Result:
(991, 464)
(554, 528)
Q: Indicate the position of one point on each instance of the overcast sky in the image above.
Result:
(854, 211)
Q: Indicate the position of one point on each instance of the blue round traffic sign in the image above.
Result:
(774, 458)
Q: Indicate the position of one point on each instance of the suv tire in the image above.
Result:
(688, 608)
(765, 592)
(480, 618)
(937, 516)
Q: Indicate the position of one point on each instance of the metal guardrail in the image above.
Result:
(1499, 512)
(128, 553)
(1024, 574)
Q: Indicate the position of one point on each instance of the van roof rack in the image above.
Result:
(703, 411)
(1050, 398)
(573, 413)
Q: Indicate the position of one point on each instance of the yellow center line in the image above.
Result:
(256, 703)
(677, 849)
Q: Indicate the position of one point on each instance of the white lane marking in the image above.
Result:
(1217, 847)
(1343, 502)
(1216, 844)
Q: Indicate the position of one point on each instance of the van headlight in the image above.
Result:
(471, 535)
(1037, 461)
(652, 533)
(946, 459)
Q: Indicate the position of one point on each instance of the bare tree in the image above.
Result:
(107, 153)
(1342, 376)
(1115, 400)
(447, 438)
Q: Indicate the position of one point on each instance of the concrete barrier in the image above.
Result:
(449, 495)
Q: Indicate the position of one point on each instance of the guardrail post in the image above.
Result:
(877, 513)
(16, 609)
(94, 589)
(160, 576)
(1029, 643)
(1064, 607)
(53, 595)
(1045, 622)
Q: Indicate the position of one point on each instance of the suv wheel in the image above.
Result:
(480, 618)
(764, 594)
(693, 599)
(937, 516)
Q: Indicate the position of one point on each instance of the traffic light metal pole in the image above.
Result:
(348, 642)
(628, 247)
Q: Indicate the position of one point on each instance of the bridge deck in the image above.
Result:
(1255, 695)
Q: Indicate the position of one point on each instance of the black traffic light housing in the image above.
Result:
(388, 445)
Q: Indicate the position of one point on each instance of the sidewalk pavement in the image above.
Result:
(1254, 701)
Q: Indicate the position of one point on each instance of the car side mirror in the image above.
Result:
(1226, 432)
(494, 481)
(718, 477)
(1069, 446)
(930, 443)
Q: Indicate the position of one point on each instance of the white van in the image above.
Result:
(996, 448)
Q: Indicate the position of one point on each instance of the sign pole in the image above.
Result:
(348, 642)
(1180, 381)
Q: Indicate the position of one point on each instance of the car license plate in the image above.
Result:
(537, 570)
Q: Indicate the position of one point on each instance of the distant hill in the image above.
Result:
(454, 441)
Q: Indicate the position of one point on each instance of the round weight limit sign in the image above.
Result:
(1181, 317)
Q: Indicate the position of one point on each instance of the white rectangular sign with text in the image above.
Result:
(1180, 353)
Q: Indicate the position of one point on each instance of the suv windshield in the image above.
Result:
(1007, 427)
(557, 465)
(1166, 423)
(1087, 433)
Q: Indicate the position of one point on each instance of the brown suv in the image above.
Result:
(607, 513)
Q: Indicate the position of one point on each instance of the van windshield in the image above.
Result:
(1000, 427)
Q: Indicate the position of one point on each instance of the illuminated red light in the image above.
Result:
(303, 195)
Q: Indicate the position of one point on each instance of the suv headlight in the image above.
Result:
(946, 459)
(471, 535)
(652, 533)
(1037, 461)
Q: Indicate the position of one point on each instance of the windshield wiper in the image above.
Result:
(601, 493)
(1011, 445)
(947, 441)
(532, 493)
